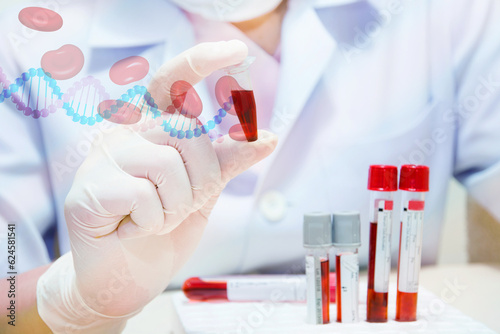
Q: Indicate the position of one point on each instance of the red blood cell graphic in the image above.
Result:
(41, 19)
(223, 89)
(119, 112)
(171, 109)
(236, 133)
(63, 63)
(185, 99)
(129, 70)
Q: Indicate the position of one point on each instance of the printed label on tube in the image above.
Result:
(273, 289)
(349, 278)
(383, 249)
(314, 298)
(411, 246)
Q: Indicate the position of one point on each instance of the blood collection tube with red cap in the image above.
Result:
(275, 288)
(243, 98)
(413, 183)
(382, 183)
(346, 241)
(317, 242)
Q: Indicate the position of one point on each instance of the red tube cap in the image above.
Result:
(414, 178)
(383, 178)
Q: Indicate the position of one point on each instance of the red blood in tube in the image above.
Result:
(406, 302)
(197, 289)
(407, 306)
(325, 287)
(244, 103)
(376, 307)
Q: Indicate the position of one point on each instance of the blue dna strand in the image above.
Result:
(171, 118)
(36, 94)
(46, 100)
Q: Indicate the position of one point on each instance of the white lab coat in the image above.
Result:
(416, 83)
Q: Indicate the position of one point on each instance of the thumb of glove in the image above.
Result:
(237, 156)
(234, 158)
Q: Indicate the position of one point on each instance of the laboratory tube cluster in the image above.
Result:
(341, 231)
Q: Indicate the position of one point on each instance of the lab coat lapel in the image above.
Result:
(131, 23)
(125, 24)
(307, 48)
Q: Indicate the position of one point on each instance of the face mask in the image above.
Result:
(228, 10)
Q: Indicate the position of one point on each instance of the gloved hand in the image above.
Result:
(138, 207)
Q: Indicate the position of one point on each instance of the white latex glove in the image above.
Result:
(138, 207)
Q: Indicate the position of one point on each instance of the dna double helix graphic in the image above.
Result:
(22, 97)
(36, 94)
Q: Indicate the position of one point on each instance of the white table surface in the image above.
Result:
(474, 289)
(479, 292)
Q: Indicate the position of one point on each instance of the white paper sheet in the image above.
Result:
(434, 316)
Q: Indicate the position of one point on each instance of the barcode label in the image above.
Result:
(349, 279)
(410, 252)
(383, 246)
(314, 298)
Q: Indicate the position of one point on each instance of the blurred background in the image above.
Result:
(453, 246)
(469, 233)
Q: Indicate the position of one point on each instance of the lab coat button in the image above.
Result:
(273, 205)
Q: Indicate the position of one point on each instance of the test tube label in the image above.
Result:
(314, 294)
(412, 224)
(349, 278)
(383, 251)
(273, 289)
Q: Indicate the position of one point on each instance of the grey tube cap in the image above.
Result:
(317, 229)
(346, 229)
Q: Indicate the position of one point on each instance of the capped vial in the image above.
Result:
(413, 183)
(382, 183)
(238, 82)
(317, 242)
(346, 241)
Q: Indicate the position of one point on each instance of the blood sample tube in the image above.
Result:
(275, 288)
(346, 241)
(317, 242)
(414, 182)
(382, 183)
(243, 98)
